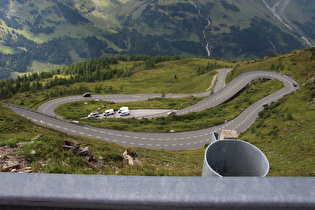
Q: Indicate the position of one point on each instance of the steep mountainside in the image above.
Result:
(55, 32)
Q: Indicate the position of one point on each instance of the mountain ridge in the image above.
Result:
(63, 32)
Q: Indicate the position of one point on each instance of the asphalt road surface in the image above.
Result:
(170, 141)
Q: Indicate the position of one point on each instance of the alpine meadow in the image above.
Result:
(160, 57)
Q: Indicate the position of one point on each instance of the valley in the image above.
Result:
(57, 33)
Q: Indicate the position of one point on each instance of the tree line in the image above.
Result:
(209, 67)
(93, 70)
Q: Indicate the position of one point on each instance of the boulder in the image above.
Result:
(131, 158)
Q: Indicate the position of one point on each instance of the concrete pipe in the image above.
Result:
(234, 158)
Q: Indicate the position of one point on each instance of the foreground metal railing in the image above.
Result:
(60, 191)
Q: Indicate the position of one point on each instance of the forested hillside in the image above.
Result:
(36, 36)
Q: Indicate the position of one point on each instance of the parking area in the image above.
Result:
(137, 113)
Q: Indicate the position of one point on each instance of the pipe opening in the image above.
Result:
(236, 158)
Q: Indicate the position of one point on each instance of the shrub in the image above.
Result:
(289, 116)
(264, 114)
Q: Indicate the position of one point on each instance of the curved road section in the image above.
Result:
(169, 141)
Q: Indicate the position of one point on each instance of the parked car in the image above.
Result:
(124, 113)
(109, 112)
(265, 105)
(124, 108)
(94, 114)
(87, 94)
(295, 85)
(171, 112)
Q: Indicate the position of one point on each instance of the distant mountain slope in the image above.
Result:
(62, 32)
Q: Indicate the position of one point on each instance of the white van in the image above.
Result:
(124, 108)
(125, 113)
(94, 114)
(109, 112)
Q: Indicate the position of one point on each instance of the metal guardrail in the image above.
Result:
(61, 191)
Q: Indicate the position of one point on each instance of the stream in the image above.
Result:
(275, 13)
(208, 46)
(100, 10)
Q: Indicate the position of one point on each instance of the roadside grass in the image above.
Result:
(46, 154)
(166, 77)
(298, 63)
(285, 133)
(285, 130)
(29, 100)
(193, 121)
(160, 79)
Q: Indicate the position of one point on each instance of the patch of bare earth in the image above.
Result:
(11, 162)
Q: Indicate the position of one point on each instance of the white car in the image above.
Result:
(94, 114)
(109, 112)
(125, 113)
(171, 112)
(124, 108)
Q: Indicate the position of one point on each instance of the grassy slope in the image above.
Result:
(157, 80)
(285, 131)
(287, 143)
(61, 28)
(50, 157)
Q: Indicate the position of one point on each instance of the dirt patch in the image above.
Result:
(10, 162)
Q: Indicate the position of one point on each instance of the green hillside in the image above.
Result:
(32, 148)
(37, 36)
(284, 131)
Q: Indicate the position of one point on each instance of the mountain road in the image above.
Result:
(169, 141)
